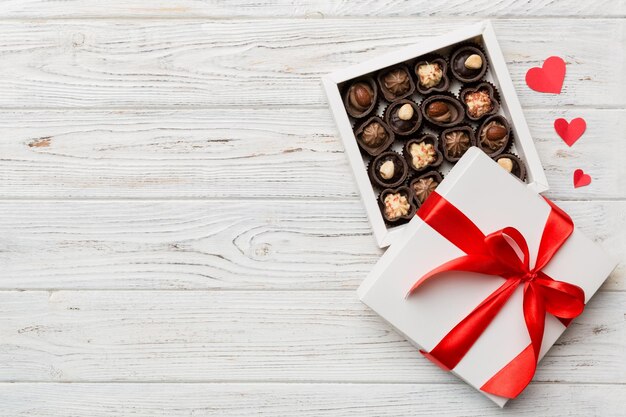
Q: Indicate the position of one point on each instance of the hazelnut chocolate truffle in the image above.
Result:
(396, 83)
(442, 110)
(360, 98)
(511, 163)
(388, 169)
(403, 117)
(374, 136)
(494, 135)
(396, 205)
(424, 185)
(468, 64)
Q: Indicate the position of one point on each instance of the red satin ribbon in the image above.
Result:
(493, 254)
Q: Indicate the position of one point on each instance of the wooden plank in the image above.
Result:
(273, 244)
(250, 336)
(301, 400)
(307, 8)
(158, 63)
(233, 153)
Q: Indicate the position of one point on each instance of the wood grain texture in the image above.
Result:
(190, 63)
(301, 400)
(180, 232)
(251, 336)
(306, 8)
(232, 153)
(286, 245)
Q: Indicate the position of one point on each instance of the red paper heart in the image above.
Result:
(549, 78)
(572, 131)
(581, 179)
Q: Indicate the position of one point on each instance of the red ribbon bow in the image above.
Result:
(494, 255)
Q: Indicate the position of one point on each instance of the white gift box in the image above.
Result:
(493, 199)
(482, 34)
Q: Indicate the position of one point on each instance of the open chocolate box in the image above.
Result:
(407, 117)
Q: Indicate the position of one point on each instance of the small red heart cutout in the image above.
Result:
(572, 131)
(581, 179)
(549, 78)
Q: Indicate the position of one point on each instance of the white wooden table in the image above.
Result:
(180, 233)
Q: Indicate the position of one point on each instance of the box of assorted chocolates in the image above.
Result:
(407, 117)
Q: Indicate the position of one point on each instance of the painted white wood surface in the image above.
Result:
(180, 234)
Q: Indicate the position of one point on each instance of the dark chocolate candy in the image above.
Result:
(468, 64)
(404, 117)
(374, 136)
(388, 169)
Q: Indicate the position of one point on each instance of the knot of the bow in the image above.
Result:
(530, 276)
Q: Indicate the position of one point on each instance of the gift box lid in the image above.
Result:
(493, 199)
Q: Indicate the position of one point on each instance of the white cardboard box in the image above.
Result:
(492, 199)
(497, 73)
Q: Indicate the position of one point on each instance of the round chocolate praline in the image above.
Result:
(360, 97)
(374, 136)
(455, 141)
(396, 205)
(424, 185)
(382, 176)
(403, 117)
(463, 64)
(396, 83)
(494, 135)
(509, 160)
(443, 110)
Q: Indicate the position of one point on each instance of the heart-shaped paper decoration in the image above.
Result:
(549, 78)
(572, 131)
(581, 179)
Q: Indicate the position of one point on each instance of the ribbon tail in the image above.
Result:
(513, 378)
(453, 347)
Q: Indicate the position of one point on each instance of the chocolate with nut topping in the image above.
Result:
(360, 98)
(403, 117)
(442, 110)
(388, 169)
(494, 135)
(512, 164)
(468, 64)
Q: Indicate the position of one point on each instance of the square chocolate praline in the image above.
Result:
(396, 82)
(374, 136)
